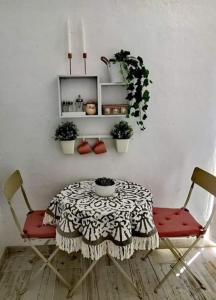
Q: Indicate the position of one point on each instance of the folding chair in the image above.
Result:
(33, 228)
(175, 223)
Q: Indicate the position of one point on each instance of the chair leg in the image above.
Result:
(178, 255)
(71, 291)
(147, 254)
(35, 258)
(122, 271)
(47, 262)
(173, 269)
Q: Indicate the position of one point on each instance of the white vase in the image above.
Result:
(122, 145)
(104, 191)
(67, 146)
(115, 72)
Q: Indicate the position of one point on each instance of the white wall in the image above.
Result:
(178, 44)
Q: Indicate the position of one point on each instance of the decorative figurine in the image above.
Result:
(91, 108)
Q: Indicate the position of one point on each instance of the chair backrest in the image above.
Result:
(205, 180)
(11, 186)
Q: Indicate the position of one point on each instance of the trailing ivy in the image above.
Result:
(137, 78)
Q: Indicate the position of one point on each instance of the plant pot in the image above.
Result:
(67, 146)
(104, 191)
(122, 145)
(115, 72)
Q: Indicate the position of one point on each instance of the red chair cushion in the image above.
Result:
(176, 222)
(34, 227)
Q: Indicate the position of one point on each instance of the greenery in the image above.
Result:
(122, 130)
(137, 78)
(103, 181)
(66, 132)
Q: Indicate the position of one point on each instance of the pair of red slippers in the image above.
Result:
(98, 148)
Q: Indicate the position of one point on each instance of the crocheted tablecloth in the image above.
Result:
(118, 225)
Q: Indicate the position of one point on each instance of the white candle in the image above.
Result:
(69, 35)
(83, 37)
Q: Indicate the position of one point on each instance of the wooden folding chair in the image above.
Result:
(175, 223)
(33, 228)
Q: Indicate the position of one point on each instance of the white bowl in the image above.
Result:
(104, 191)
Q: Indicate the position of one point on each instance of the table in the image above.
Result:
(116, 225)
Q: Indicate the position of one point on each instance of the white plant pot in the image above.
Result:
(115, 73)
(122, 145)
(104, 191)
(67, 146)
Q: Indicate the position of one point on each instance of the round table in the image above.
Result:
(117, 225)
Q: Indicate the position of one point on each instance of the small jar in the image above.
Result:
(115, 110)
(123, 110)
(107, 110)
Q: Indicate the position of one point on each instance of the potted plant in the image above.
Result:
(104, 186)
(122, 132)
(137, 79)
(66, 133)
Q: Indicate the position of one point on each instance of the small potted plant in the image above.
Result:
(122, 132)
(104, 186)
(66, 133)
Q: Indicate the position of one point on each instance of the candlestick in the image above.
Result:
(70, 58)
(84, 59)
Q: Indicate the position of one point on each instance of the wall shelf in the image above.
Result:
(97, 136)
(113, 83)
(70, 86)
(93, 116)
(107, 95)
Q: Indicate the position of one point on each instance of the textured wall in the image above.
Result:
(176, 40)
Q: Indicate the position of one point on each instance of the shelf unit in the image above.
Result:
(70, 86)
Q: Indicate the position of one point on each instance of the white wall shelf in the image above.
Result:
(112, 83)
(97, 136)
(68, 116)
(70, 86)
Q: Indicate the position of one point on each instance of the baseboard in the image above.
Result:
(3, 255)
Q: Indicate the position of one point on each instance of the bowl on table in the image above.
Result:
(104, 187)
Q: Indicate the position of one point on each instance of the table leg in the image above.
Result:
(122, 271)
(71, 291)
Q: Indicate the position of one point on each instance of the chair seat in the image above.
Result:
(176, 222)
(34, 227)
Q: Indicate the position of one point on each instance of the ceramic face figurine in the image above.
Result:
(91, 108)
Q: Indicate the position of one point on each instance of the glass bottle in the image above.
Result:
(79, 104)
(70, 106)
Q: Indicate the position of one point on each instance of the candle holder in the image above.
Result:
(70, 58)
(84, 59)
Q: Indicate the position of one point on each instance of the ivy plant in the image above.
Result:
(137, 79)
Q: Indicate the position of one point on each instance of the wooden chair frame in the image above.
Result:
(208, 183)
(11, 186)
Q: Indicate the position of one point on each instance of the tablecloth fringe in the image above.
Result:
(48, 220)
(95, 252)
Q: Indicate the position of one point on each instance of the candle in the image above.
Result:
(69, 35)
(83, 37)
